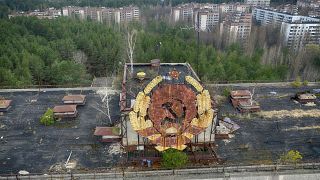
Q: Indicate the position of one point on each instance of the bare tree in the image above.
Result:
(252, 94)
(131, 42)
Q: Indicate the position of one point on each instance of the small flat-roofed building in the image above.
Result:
(305, 98)
(239, 95)
(5, 105)
(241, 100)
(65, 111)
(74, 99)
(108, 134)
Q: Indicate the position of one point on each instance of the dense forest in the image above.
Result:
(70, 51)
(64, 51)
(26, 5)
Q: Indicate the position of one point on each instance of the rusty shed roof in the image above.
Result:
(74, 98)
(5, 104)
(65, 108)
(107, 131)
(240, 93)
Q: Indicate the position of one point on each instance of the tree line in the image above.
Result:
(70, 51)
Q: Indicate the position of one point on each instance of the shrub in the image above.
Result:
(226, 91)
(47, 119)
(297, 83)
(291, 156)
(173, 158)
(305, 83)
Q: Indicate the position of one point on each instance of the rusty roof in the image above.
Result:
(107, 131)
(65, 108)
(240, 93)
(74, 98)
(307, 96)
(5, 103)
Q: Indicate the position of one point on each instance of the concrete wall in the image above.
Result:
(273, 172)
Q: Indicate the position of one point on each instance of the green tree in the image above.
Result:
(173, 158)
(47, 119)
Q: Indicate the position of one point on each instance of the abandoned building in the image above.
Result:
(164, 105)
(243, 102)
(5, 105)
(305, 98)
(108, 134)
(65, 111)
(74, 99)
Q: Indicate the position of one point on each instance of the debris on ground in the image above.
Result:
(226, 126)
(114, 148)
(71, 164)
(56, 168)
(23, 172)
(273, 93)
(310, 104)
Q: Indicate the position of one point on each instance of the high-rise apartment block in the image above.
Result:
(233, 7)
(102, 14)
(236, 27)
(206, 19)
(260, 3)
(308, 3)
(206, 16)
(297, 31)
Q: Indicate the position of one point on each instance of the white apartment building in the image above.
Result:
(233, 7)
(73, 11)
(130, 13)
(93, 13)
(187, 12)
(267, 16)
(227, 8)
(237, 28)
(260, 3)
(308, 3)
(102, 14)
(297, 31)
(298, 35)
(207, 19)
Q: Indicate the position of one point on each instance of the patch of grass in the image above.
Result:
(291, 157)
(297, 83)
(173, 158)
(226, 91)
(305, 83)
(116, 130)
